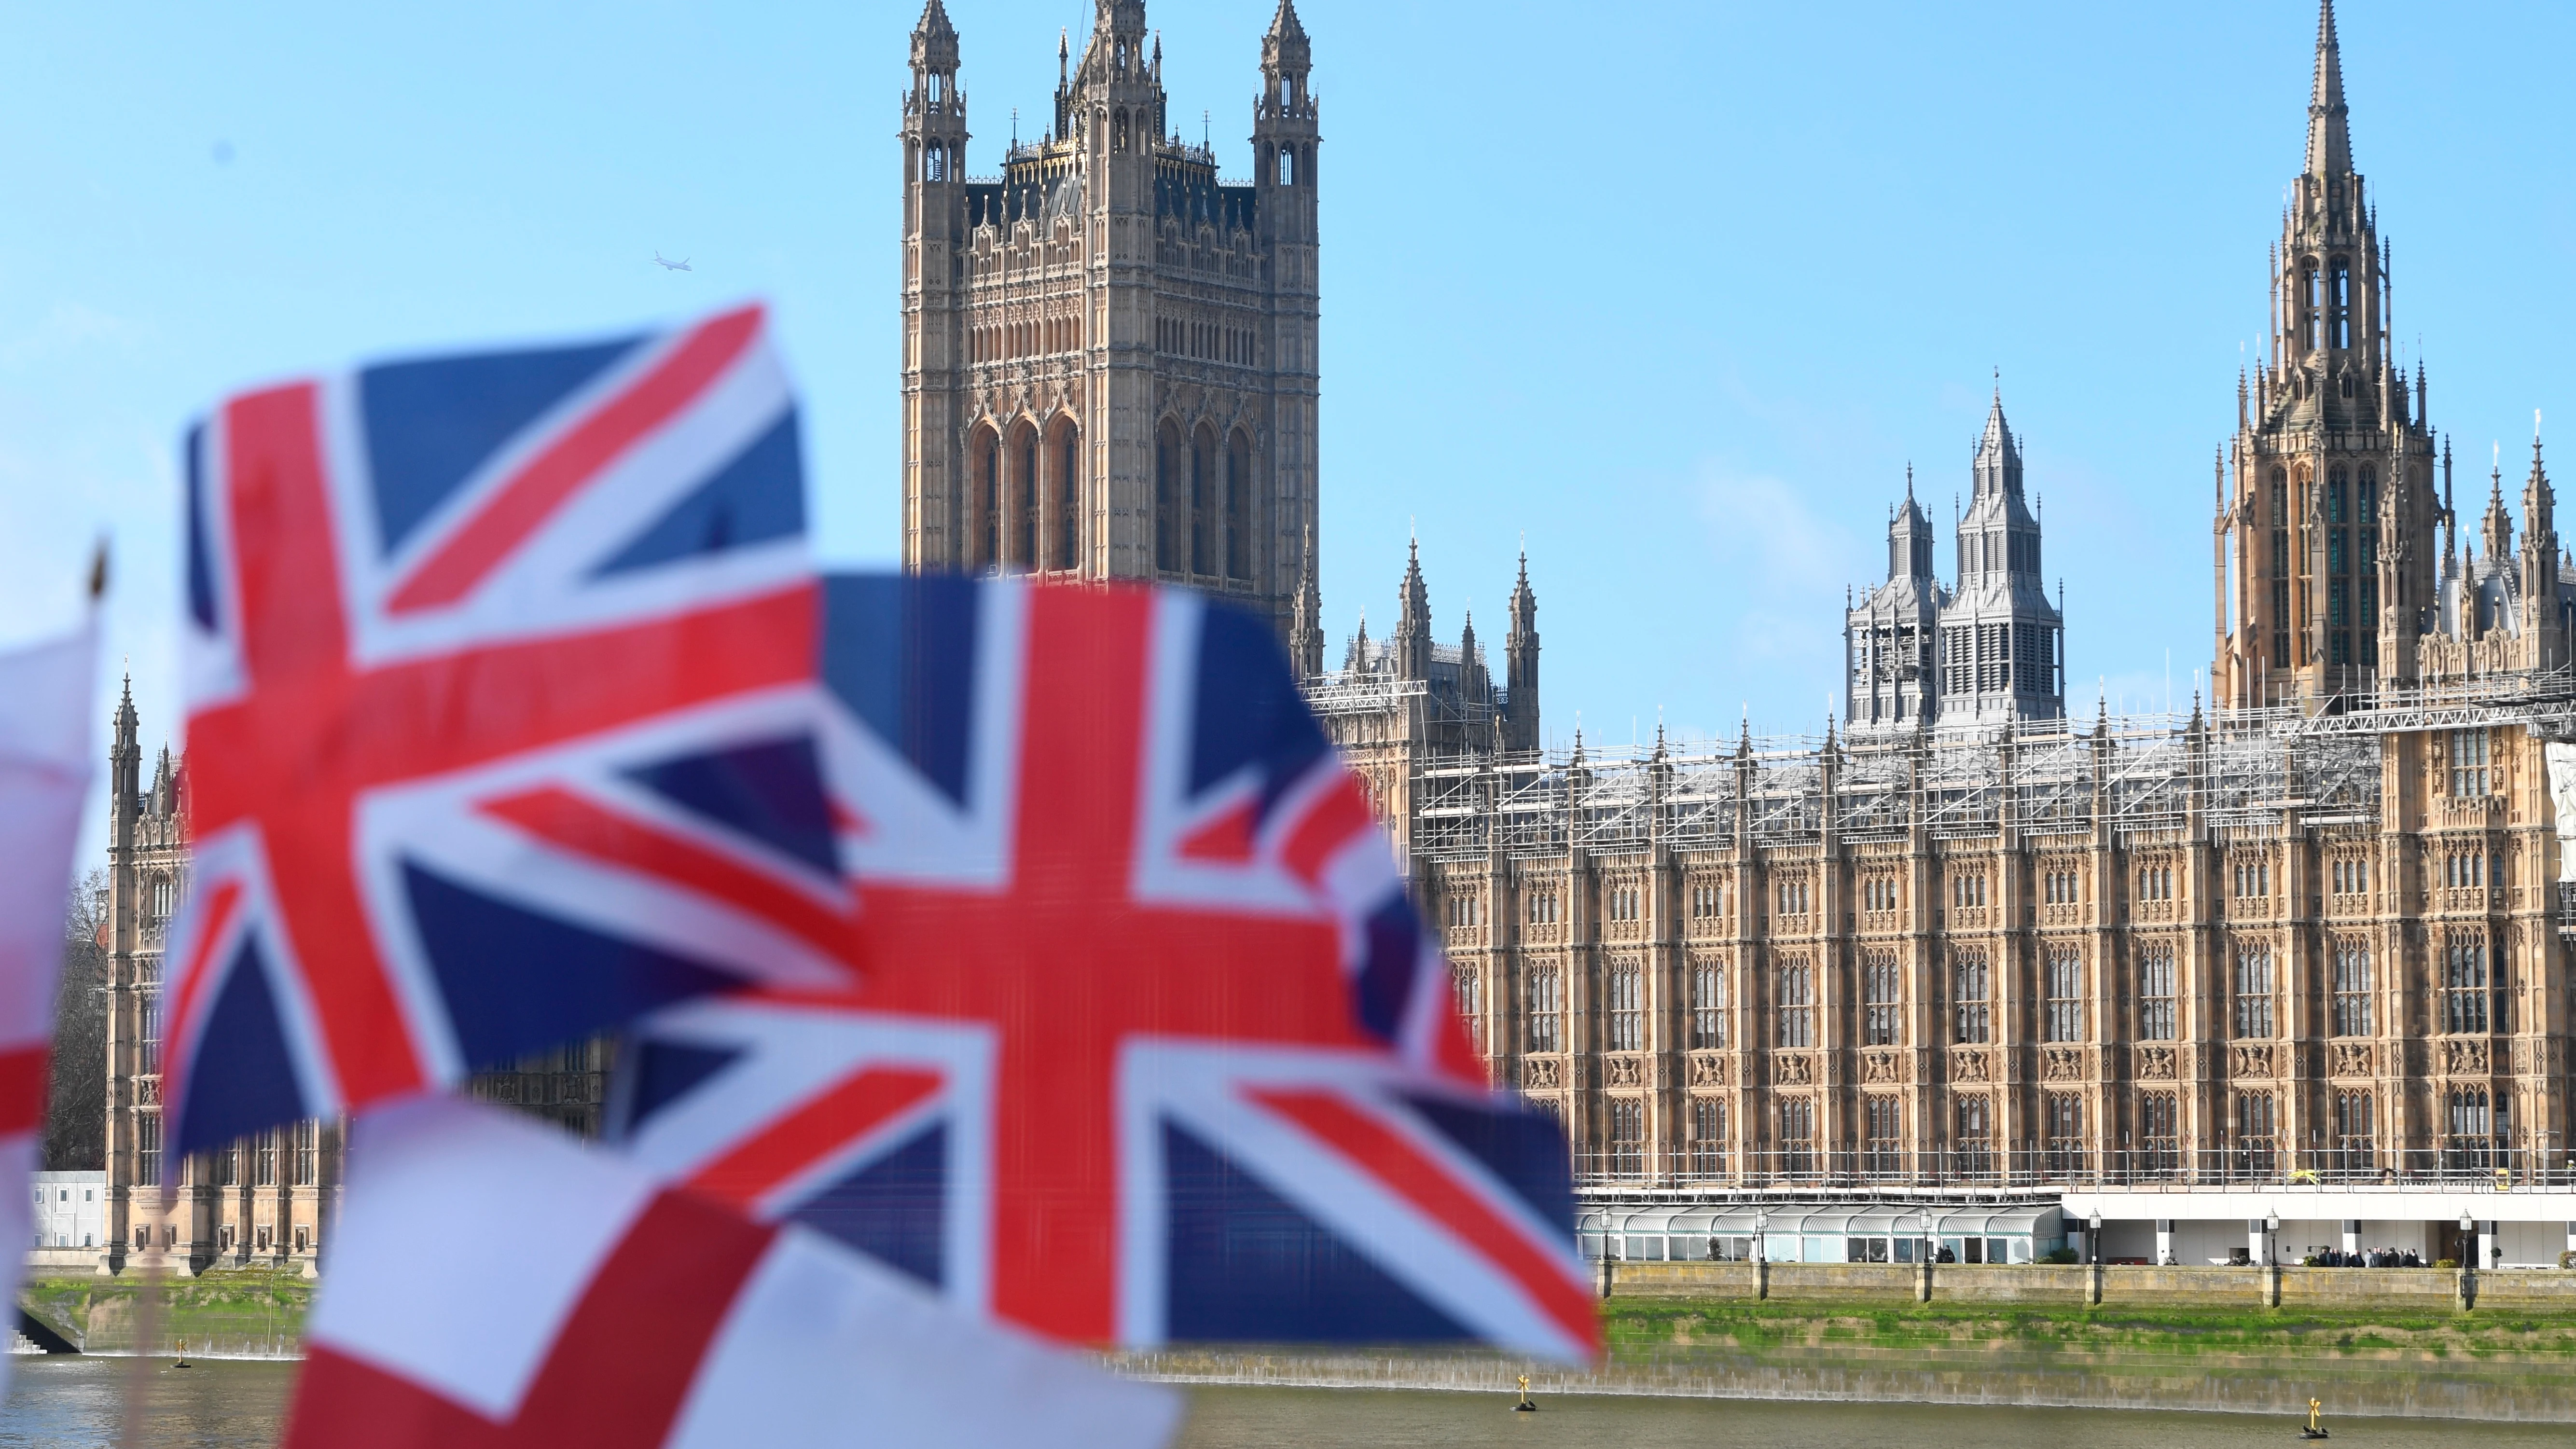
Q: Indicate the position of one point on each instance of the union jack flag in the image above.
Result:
(502, 720)
(1153, 1045)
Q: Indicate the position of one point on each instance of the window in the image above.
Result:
(1707, 901)
(1542, 908)
(1797, 1151)
(1627, 903)
(1968, 994)
(1793, 897)
(2254, 991)
(2474, 1134)
(2065, 1021)
(1882, 995)
(1968, 891)
(264, 1160)
(2468, 763)
(2062, 1116)
(2156, 992)
(1627, 1137)
(1708, 1005)
(1879, 893)
(2464, 984)
(308, 1156)
(2252, 876)
(1470, 990)
(147, 1030)
(1466, 910)
(1976, 1138)
(2159, 1143)
(147, 1149)
(1708, 1136)
(1547, 1009)
(2155, 883)
(2351, 988)
(1796, 986)
(2351, 877)
(2355, 1151)
(2063, 887)
(2254, 1141)
(1627, 1009)
(1883, 1150)
(226, 1161)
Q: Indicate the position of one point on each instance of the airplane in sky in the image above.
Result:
(669, 265)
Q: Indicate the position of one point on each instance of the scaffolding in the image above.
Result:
(2247, 775)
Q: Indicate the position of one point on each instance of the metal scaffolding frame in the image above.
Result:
(2249, 773)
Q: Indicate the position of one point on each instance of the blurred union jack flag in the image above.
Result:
(502, 719)
(1153, 1045)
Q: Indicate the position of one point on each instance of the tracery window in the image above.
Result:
(2065, 982)
(1547, 1009)
(1795, 987)
(2063, 1119)
(2352, 988)
(2253, 991)
(2156, 992)
(2255, 1143)
(1627, 1008)
(2159, 1141)
(2468, 763)
(1882, 993)
(1708, 1005)
(1797, 1136)
(2464, 984)
(1883, 1145)
(2355, 1144)
(1975, 1138)
(1969, 997)
(1708, 1136)
(1627, 1137)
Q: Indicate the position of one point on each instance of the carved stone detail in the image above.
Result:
(2250, 1059)
(1627, 1071)
(2062, 1064)
(1970, 1064)
(1882, 1067)
(1789, 1070)
(1708, 1069)
(2154, 1064)
(2352, 1059)
(2464, 1058)
(1542, 1073)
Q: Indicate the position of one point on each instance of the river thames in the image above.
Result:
(74, 1403)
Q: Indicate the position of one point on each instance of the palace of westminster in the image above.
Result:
(2310, 928)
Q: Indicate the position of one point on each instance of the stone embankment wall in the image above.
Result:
(2542, 1290)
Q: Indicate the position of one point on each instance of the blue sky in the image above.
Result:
(1675, 290)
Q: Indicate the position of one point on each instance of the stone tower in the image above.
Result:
(1520, 667)
(2326, 557)
(1889, 640)
(2001, 651)
(1110, 364)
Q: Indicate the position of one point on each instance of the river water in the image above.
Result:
(76, 1403)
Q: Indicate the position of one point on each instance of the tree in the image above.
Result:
(76, 1098)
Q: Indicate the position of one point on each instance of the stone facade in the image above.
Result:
(1109, 365)
(2313, 930)
(267, 1199)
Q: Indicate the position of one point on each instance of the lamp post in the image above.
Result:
(2272, 1239)
(2093, 1237)
(2468, 1239)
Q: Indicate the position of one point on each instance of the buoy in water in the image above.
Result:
(2316, 1429)
(1525, 1406)
(183, 1356)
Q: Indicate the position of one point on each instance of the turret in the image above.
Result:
(1412, 620)
(1284, 132)
(124, 771)
(1520, 666)
(1306, 627)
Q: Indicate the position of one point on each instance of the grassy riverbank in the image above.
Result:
(239, 1311)
(1662, 1326)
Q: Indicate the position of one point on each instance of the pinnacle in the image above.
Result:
(2329, 126)
(934, 20)
(1284, 23)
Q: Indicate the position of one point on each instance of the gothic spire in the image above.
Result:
(1998, 455)
(2329, 129)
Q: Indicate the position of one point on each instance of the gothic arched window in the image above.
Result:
(1238, 506)
(1205, 507)
(1169, 510)
(1068, 495)
(1024, 498)
(1287, 166)
(986, 460)
(2339, 299)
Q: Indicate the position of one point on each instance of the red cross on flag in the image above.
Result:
(596, 1307)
